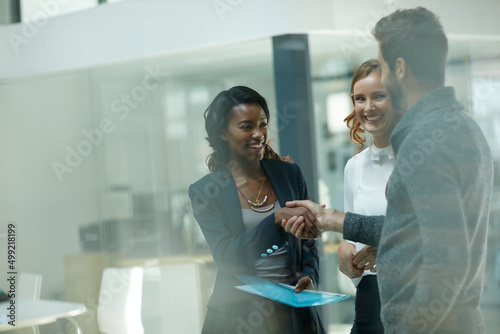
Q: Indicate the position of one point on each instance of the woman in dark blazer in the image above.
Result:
(239, 207)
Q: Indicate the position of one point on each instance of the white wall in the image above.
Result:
(136, 28)
(35, 128)
(34, 10)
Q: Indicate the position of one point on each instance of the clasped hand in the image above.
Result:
(325, 220)
(299, 221)
(352, 263)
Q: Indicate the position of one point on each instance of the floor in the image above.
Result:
(339, 328)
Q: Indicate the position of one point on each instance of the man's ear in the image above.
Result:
(401, 69)
(223, 136)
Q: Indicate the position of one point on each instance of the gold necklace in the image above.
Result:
(256, 206)
(257, 201)
(264, 210)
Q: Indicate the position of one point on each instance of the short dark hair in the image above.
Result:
(416, 35)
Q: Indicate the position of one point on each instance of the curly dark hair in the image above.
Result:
(217, 119)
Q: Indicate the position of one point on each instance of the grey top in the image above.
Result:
(273, 267)
(432, 242)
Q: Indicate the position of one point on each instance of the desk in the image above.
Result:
(34, 312)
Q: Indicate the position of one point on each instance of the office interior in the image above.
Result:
(102, 132)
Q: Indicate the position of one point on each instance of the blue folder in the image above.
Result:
(285, 294)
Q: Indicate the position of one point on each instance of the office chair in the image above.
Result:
(29, 285)
(120, 297)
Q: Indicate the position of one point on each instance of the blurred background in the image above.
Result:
(102, 132)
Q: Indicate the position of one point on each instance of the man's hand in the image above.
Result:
(328, 219)
(366, 259)
(346, 253)
(305, 282)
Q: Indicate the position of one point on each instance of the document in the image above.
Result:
(285, 294)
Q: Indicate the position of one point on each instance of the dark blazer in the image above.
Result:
(217, 210)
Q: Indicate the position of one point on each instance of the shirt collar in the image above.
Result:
(377, 154)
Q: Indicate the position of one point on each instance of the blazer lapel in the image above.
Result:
(230, 201)
(277, 182)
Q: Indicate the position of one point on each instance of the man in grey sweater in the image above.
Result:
(432, 240)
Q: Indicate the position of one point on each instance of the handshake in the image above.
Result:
(308, 220)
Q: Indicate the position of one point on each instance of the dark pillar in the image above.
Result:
(10, 11)
(292, 79)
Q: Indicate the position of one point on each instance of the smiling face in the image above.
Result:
(246, 133)
(373, 108)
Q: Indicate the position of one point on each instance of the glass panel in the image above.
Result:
(97, 168)
(97, 171)
(156, 149)
(472, 69)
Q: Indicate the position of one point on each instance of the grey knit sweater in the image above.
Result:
(432, 241)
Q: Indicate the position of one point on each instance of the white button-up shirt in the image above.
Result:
(365, 179)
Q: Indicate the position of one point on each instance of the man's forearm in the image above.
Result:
(364, 229)
(333, 220)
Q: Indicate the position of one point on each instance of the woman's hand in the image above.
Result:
(346, 253)
(366, 259)
(305, 282)
(299, 217)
